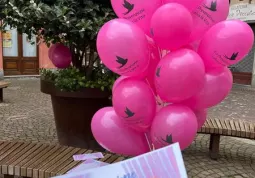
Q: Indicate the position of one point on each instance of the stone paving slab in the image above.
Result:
(26, 115)
(240, 104)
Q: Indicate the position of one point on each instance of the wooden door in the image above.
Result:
(19, 56)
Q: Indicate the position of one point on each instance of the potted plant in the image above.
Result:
(79, 91)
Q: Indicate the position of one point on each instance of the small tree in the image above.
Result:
(74, 23)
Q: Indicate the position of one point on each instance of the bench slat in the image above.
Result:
(119, 159)
(16, 153)
(7, 168)
(219, 125)
(247, 130)
(216, 128)
(37, 157)
(252, 130)
(33, 152)
(48, 158)
(224, 126)
(4, 84)
(238, 129)
(1, 142)
(6, 151)
(56, 159)
(233, 128)
(211, 128)
(228, 126)
(11, 168)
(207, 129)
(242, 127)
(112, 159)
(72, 165)
(59, 162)
(67, 163)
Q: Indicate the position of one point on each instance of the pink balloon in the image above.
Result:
(154, 60)
(180, 75)
(134, 102)
(113, 135)
(123, 47)
(201, 117)
(159, 107)
(206, 15)
(226, 43)
(61, 56)
(195, 45)
(174, 123)
(218, 83)
(51, 49)
(189, 4)
(139, 12)
(167, 30)
(117, 82)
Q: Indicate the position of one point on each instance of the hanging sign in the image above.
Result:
(242, 11)
(7, 39)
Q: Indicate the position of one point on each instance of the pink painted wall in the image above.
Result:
(44, 61)
(1, 53)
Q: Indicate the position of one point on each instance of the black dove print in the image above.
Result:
(168, 140)
(233, 57)
(121, 61)
(165, 142)
(152, 32)
(213, 6)
(129, 113)
(128, 6)
(158, 72)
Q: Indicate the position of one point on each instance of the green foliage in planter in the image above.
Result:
(74, 23)
(73, 79)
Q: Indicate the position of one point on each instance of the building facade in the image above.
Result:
(19, 57)
(244, 71)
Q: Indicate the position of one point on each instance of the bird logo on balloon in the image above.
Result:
(121, 61)
(233, 57)
(213, 6)
(152, 32)
(158, 72)
(128, 6)
(129, 113)
(167, 141)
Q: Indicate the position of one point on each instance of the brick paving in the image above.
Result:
(26, 115)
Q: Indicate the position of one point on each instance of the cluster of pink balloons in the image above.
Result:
(173, 58)
(60, 55)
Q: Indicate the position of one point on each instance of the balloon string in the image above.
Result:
(148, 141)
(146, 79)
(160, 52)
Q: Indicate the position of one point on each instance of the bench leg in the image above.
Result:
(214, 146)
(1, 95)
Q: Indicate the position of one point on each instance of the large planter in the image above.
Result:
(73, 112)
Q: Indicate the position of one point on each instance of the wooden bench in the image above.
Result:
(41, 160)
(234, 128)
(3, 85)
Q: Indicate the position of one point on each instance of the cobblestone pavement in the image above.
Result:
(26, 114)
